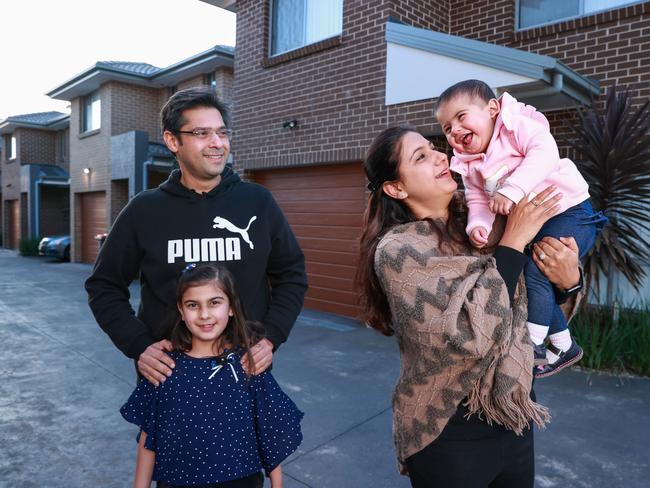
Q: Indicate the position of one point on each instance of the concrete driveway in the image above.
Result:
(62, 383)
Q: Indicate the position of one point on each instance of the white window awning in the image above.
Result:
(421, 64)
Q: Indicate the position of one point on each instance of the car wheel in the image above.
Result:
(66, 254)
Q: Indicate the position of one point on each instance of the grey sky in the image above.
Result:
(45, 43)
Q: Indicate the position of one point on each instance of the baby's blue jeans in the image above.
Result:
(579, 222)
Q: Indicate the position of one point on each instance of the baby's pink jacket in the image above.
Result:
(522, 157)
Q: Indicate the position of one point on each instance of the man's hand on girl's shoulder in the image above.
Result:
(262, 357)
(154, 364)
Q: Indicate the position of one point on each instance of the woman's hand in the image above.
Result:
(527, 218)
(558, 260)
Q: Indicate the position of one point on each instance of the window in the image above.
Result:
(210, 80)
(11, 148)
(63, 146)
(533, 13)
(297, 23)
(91, 116)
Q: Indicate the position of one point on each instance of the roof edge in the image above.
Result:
(215, 52)
(96, 69)
(10, 123)
(504, 58)
(499, 57)
(230, 5)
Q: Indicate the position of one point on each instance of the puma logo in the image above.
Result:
(221, 223)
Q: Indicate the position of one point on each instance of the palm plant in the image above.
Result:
(613, 153)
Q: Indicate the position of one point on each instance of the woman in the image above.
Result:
(462, 404)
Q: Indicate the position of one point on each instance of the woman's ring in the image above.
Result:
(542, 256)
(535, 202)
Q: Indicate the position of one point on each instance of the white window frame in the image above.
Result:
(12, 148)
(91, 112)
(333, 31)
(582, 13)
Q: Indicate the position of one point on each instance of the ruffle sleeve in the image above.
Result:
(141, 410)
(277, 421)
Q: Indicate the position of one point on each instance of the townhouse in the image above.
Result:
(316, 80)
(35, 183)
(116, 146)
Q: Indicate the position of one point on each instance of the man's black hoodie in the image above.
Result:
(160, 231)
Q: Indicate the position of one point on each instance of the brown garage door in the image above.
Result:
(324, 205)
(14, 223)
(93, 222)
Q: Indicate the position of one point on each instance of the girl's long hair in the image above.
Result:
(382, 213)
(239, 332)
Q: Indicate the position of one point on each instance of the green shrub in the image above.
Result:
(28, 246)
(620, 347)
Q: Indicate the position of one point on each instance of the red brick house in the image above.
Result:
(116, 146)
(35, 181)
(316, 80)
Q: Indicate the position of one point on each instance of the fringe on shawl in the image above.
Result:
(514, 411)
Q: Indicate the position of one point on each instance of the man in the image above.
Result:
(203, 212)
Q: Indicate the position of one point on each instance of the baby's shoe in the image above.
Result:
(566, 359)
(540, 355)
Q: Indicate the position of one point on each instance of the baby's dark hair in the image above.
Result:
(239, 332)
(473, 88)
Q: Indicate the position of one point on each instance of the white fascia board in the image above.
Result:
(413, 74)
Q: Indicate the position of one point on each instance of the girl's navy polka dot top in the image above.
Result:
(209, 422)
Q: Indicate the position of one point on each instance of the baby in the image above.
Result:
(504, 150)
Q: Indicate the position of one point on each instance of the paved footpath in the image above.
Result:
(62, 383)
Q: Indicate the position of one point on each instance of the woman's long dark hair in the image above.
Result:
(382, 213)
(239, 332)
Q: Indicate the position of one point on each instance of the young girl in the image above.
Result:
(504, 150)
(209, 424)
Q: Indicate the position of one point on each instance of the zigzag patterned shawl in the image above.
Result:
(459, 337)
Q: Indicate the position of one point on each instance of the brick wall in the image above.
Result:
(191, 82)
(484, 20)
(37, 146)
(88, 150)
(24, 212)
(6, 142)
(119, 197)
(10, 176)
(10, 179)
(224, 79)
(10, 185)
(336, 94)
(334, 89)
(135, 107)
(431, 14)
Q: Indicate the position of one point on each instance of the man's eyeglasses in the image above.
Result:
(203, 133)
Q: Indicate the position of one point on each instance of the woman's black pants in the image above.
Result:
(472, 454)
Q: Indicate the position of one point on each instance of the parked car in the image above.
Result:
(55, 246)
